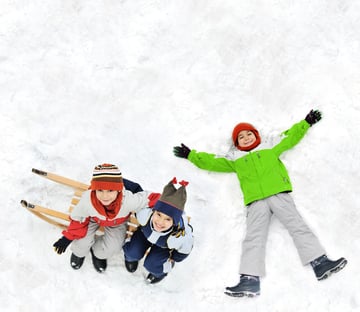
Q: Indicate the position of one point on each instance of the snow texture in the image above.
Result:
(88, 82)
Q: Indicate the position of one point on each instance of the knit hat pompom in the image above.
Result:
(245, 126)
(106, 177)
(172, 200)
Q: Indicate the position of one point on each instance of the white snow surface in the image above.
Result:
(88, 82)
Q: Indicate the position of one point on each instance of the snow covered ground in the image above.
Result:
(87, 82)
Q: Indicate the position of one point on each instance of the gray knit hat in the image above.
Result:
(172, 200)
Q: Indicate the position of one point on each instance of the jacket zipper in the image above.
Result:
(256, 170)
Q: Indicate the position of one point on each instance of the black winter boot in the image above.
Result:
(131, 266)
(152, 279)
(76, 262)
(248, 286)
(99, 264)
(323, 267)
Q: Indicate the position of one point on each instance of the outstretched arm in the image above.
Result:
(294, 135)
(204, 160)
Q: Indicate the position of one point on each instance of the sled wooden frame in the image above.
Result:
(62, 219)
(49, 215)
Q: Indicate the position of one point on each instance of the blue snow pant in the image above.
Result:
(156, 261)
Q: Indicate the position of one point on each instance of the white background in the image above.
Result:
(88, 82)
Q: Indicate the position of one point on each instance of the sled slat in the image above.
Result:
(60, 179)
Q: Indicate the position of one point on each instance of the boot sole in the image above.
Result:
(154, 280)
(339, 267)
(243, 294)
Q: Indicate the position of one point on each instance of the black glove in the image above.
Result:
(61, 245)
(313, 117)
(181, 151)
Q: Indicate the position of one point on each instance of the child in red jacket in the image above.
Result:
(107, 204)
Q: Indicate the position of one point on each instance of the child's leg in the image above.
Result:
(109, 243)
(254, 244)
(307, 244)
(156, 262)
(135, 249)
(81, 247)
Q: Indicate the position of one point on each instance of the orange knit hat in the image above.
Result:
(245, 126)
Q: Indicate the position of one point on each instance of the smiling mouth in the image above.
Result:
(249, 142)
(158, 226)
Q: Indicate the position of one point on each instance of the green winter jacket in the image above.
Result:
(260, 172)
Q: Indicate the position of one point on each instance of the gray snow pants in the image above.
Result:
(103, 246)
(259, 214)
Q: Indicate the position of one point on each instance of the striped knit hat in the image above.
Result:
(107, 177)
(172, 200)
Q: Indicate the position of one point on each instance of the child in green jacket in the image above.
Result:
(265, 185)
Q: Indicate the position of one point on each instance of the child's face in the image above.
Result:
(246, 138)
(161, 221)
(106, 197)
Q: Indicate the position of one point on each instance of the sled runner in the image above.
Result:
(48, 215)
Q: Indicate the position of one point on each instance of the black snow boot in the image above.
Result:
(152, 279)
(131, 266)
(248, 286)
(323, 267)
(99, 264)
(76, 262)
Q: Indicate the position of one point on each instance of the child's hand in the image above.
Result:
(181, 151)
(313, 117)
(61, 245)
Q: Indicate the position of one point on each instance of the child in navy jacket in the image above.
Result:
(165, 230)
